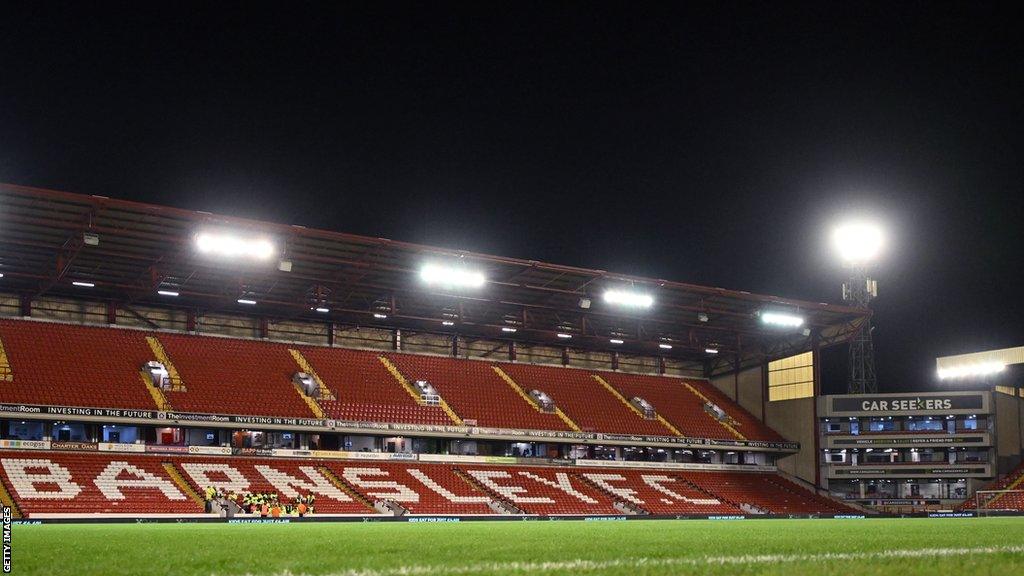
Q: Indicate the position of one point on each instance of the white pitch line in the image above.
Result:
(699, 561)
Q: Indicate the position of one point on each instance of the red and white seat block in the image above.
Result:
(76, 483)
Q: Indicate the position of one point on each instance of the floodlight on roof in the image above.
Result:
(616, 341)
(711, 350)
(628, 298)
(858, 242)
(509, 329)
(246, 301)
(83, 284)
(452, 277)
(974, 370)
(232, 246)
(664, 346)
(322, 309)
(379, 316)
(564, 336)
(447, 323)
(782, 319)
(167, 293)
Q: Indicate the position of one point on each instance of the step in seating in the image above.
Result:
(748, 424)
(476, 392)
(365, 391)
(672, 401)
(77, 483)
(70, 365)
(592, 407)
(68, 483)
(234, 376)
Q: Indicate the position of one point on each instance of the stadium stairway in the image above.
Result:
(669, 428)
(401, 378)
(54, 482)
(519, 390)
(182, 484)
(347, 488)
(6, 374)
(6, 500)
(71, 365)
(503, 504)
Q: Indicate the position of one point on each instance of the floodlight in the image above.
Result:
(626, 298)
(782, 319)
(447, 323)
(858, 242)
(247, 301)
(615, 341)
(979, 369)
(379, 316)
(1, 274)
(665, 346)
(167, 292)
(452, 277)
(230, 246)
(711, 350)
(508, 329)
(322, 310)
(84, 284)
(564, 336)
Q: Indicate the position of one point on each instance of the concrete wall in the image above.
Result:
(794, 419)
(1009, 440)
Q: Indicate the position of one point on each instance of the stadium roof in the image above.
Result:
(46, 245)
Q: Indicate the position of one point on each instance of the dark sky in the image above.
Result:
(702, 142)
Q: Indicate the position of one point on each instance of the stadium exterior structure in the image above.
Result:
(108, 285)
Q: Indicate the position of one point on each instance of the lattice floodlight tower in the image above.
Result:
(858, 244)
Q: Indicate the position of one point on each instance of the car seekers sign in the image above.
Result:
(154, 417)
(907, 404)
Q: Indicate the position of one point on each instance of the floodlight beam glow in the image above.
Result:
(971, 370)
(780, 319)
(451, 277)
(626, 298)
(858, 242)
(229, 246)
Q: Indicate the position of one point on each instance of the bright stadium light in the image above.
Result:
(167, 293)
(627, 298)
(564, 336)
(83, 284)
(246, 301)
(230, 246)
(711, 350)
(979, 369)
(379, 316)
(451, 277)
(615, 341)
(509, 329)
(665, 346)
(322, 310)
(858, 242)
(447, 323)
(782, 319)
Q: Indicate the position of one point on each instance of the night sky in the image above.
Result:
(711, 144)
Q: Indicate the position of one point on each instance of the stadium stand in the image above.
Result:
(1005, 501)
(673, 401)
(584, 399)
(71, 365)
(68, 365)
(53, 482)
(233, 376)
(63, 483)
(748, 426)
(365, 391)
(767, 493)
(476, 391)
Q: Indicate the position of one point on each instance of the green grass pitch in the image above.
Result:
(787, 547)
